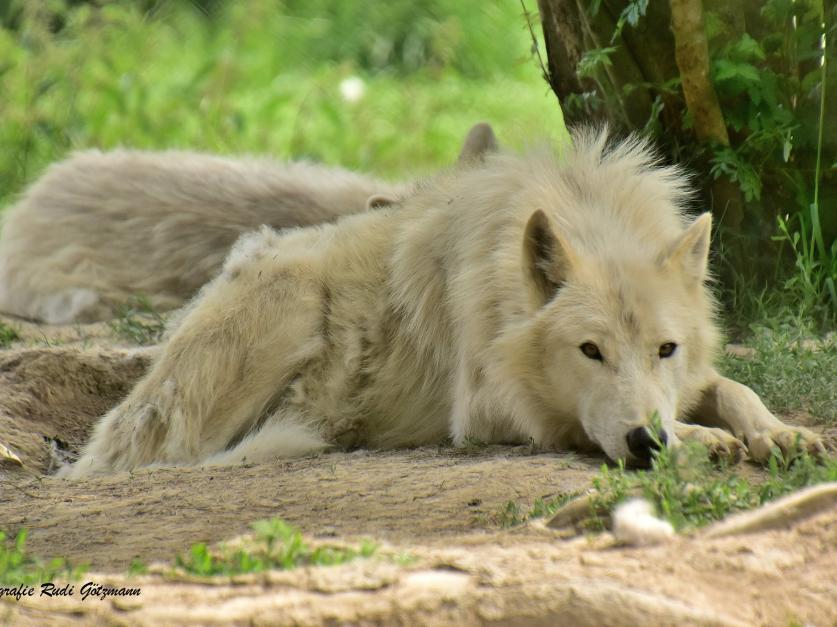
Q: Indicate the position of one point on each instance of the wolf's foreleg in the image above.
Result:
(218, 375)
(728, 404)
(478, 416)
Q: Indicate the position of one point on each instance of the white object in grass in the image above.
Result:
(352, 88)
(635, 524)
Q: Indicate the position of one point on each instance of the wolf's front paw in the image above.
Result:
(790, 441)
(721, 444)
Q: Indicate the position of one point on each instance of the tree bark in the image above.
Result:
(692, 54)
(620, 93)
(562, 24)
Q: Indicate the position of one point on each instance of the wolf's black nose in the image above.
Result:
(641, 444)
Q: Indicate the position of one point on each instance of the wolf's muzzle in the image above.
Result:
(642, 445)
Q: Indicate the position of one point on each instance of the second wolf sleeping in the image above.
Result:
(100, 228)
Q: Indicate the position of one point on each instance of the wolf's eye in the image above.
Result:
(667, 349)
(591, 350)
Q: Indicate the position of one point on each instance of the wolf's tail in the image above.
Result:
(276, 440)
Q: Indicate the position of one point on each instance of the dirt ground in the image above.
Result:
(439, 505)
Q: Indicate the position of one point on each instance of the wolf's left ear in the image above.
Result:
(547, 259)
(380, 201)
(690, 253)
(479, 142)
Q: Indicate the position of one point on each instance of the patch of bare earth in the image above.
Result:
(439, 505)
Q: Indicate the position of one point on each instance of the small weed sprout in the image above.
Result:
(138, 322)
(19, 568)
(511, 514)
(8, 335)
(137, 567)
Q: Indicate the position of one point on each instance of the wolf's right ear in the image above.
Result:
(479, 142)
(689, 255)
(547, 259)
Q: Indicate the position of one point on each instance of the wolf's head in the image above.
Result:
(623, 336)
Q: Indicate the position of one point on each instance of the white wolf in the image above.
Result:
(99, 228)
(533, 298)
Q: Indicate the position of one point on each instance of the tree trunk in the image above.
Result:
(621, 94)
(692, 54)
(562, 24)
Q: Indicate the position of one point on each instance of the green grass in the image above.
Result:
(512, 514)
(137, 567)
(263, 77)
(792, 370)
(687, 488)
(814, 274)
(8, 335)
(278, 546)
(690, 492)
(138, 322)
(19, 568)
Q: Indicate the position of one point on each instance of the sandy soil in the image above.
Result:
(437, 504)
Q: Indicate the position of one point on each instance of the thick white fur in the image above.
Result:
(457, 314)
(275, 440)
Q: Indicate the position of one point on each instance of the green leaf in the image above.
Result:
(747, 48)
(634, 11)
(592, 59)
(728, 70)
(787, 146)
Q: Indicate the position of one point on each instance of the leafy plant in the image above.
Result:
(139, 323)
(768, 70)
(689, 491)
(19, 568)
(8, 335)
(511, 514)
(630, 15)
(281, 547)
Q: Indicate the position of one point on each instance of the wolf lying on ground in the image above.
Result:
(99, 228)
(560, 301)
